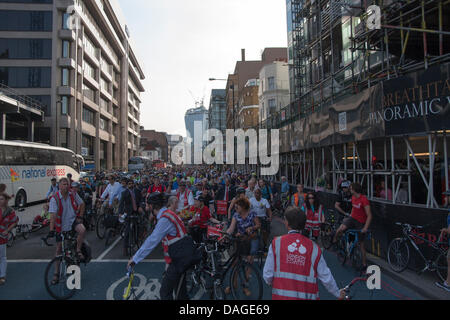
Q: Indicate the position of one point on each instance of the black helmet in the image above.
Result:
(240, 190)
(156, 198)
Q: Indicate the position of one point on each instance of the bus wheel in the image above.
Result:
(21, 199)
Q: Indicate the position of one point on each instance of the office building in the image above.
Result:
(76, 58)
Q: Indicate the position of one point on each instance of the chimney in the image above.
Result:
(243, 54)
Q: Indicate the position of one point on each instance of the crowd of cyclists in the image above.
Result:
(254, 210)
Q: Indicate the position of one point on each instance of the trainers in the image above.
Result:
(444, 285)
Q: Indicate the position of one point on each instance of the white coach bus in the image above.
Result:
(27, 169)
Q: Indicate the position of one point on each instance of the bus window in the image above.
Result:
(32, 156)
(13, 156)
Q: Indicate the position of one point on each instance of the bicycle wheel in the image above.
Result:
(342, 250)
(246, 282)
(58, 291)
(218, 290)
(357, 258)
(326, 236)
(101, 227)
(398, 255)
(25, 232)
(109, 237)
(442, 266)
(10, 239)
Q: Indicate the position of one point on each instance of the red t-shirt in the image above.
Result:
(5, 223)
(201, 218)
(358, 212)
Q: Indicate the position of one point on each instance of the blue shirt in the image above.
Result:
(285, 187)
(119, 192)
(163, 228)
(52, 190)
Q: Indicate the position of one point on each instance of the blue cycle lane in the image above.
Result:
(106, 280)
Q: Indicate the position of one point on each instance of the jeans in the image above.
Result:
(3, 261)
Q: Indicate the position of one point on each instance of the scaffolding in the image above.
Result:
(336, 55)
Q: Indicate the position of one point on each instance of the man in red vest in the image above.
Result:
(295, 263)
(171, 231)
(67, 210)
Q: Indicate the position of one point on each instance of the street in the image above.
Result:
(105, 277)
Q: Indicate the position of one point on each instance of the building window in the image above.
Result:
(65, 105)
(272, 106)
(21, 20)
(88, 116)
(103, 124)
(65, 77)
(88, 143)
(64, 136)
(25, 48)
(89, 93)
(271, 81)
(26, 77)
(65, 49)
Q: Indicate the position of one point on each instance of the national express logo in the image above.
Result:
(35, 173)
(14, 175)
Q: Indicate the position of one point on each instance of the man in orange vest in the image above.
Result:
(294, 263)
(299, 198)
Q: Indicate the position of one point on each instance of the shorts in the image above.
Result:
(74, 226)
(248, 247)
(353, 224)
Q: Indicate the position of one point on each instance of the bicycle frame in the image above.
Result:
(409, 235)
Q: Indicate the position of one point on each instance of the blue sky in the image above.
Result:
(183, 43)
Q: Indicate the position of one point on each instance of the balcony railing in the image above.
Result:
(14, 94)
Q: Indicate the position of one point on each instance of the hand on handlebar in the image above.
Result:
(343, 295)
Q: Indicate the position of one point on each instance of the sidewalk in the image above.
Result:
(423, 284)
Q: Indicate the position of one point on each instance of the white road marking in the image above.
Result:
(109, 249)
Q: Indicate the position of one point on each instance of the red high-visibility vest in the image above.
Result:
(169, 240)
(186, 195)
(58, 219)
(313, 220)
(295, 268)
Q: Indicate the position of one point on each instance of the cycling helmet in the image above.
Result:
(346, 184)
(156, 198)
(75, 185)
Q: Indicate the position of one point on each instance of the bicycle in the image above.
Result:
(133, 226)
(242, 273)
(58, 267)
(399, 256)
(329, 228)
(264, 231)
(349, 248)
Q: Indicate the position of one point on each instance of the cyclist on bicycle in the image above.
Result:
(263, 211)
(128, 205)
(179, 253)
(299, 263)
(344, 204)
(199, 222)
(360, 219)
(314, 216)
(67, 210)
(240, 194)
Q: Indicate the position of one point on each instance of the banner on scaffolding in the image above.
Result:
(416, 103)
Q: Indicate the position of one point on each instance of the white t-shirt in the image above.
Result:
(260, 207)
